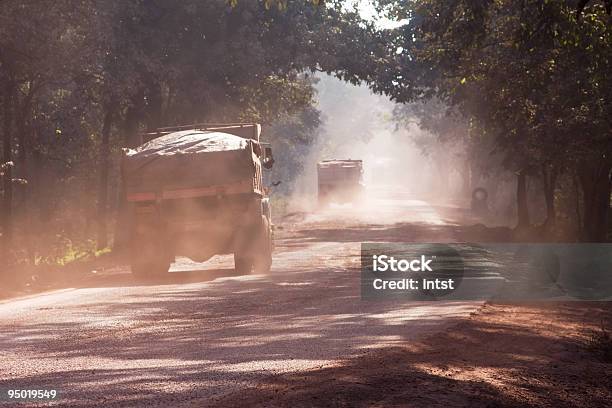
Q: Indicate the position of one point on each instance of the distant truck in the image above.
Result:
(198, 191)
(339, 181)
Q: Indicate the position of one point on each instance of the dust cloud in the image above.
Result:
(358, 124)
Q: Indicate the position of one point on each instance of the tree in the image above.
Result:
(507, 67)
(35, 40)
(81, 80)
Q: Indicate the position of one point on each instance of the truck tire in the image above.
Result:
(149, 260)
(263, 258)
(243, 264)
(258, 254)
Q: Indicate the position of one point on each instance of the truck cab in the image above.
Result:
(339, 181)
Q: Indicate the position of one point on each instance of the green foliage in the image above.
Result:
(76, 68)
(528, 80)
(526, 74)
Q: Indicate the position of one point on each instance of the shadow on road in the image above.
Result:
(510, 356)
(148, 347)
(405, 232)
(124, 278)
(175, 353)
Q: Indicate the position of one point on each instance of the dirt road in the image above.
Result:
(204, 332)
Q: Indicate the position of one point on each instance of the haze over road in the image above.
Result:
(205, 333)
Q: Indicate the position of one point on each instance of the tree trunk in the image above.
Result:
(474, 177)
(133, 118)
(466, 186)
(521, 201)
(442, 173)
(130, 139)
(595, 182)
(549, 177)
(577, 201)
(34, 184)
(155, 111)
(102, 232)
(7, 180)
(22, 213)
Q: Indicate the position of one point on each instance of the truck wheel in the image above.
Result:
(258, 253)
(243, 264)
(263, 257)
(149, 260)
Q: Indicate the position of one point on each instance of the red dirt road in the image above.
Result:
(204, 333)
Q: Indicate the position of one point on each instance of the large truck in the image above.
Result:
(197, 191)
(339, 181)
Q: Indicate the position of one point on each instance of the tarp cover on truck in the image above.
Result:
(188, 159)
(339, 171)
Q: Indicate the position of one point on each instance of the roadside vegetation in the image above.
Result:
(519, 89)
(79, 81)
(515, 95)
